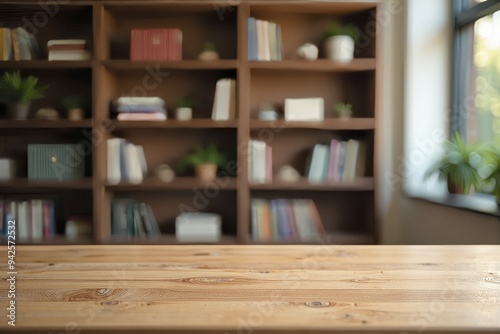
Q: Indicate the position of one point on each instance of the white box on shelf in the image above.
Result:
(305, 109)
(198, 227)
(7, 169)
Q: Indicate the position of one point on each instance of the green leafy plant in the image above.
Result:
(209, 46)
(75, 101)
(208, 155)
(490, 173)
(15, 89)
(184, 103)
(337, 29)
(343, 109)
(461, 164)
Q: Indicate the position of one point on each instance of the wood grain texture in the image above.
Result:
(256, 289)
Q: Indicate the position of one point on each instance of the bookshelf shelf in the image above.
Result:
(126, 65)
(174, 124)
(26, 185)
(363, 184)
(166, 239)
(56, 240)
(38, 124)
(44, 65)
(328, 124)
(340, 238)
(321, 65)
(179, 183)
(107, 27)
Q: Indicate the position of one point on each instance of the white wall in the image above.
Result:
(415, 105)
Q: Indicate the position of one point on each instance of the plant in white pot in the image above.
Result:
(184, 110)
(344, 110)
(339, 42)
(204, 161)
(17, 93)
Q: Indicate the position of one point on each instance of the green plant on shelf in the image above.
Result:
(210, 155)
(184, 103)
(15, 89)
(344, 110)
(335, 28)
(75, 101)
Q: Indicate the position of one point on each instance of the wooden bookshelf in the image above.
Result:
(348, 210)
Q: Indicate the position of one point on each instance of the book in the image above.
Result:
(273, 41)
(139, 101)
(265, 43)
(304, 109)
(7, 50)
(156, 44)
(333, 160)
(15, 44)
(258, 172)
(279, 42)
(253, 51)
(318, 166)
(134, 116)
(113, 149)
(260, 39)
(224, 106)
(73, 55)
(351, 157)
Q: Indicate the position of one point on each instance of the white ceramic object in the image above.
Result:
(288, 174)
(268, 115)
(340, 49)
(208, 55)
(47, 114)
(308, 51)
(183, 114)
(165, 173)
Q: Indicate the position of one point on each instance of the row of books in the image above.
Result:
(264, 40)
(156, 44)
(18, 44)
(133, 219)
(260, 162)
(140, 109)
(126, 162)
(285, 219)
(34, 219)
(342, 161)
(198, 227)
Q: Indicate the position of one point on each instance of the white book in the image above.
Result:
(36, 219)
(224, 107)
(69, 55)
(273, 42)
(265, 34)
(260, 40)
(114, 175)
(66, 42)
(133, 164)
(142, 159)
(258, 163)
(23, 221)
(140, 101)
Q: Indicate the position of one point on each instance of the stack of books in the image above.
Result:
(18, 44)
(126, 162)
(285, 219)
(198, 227)
(35, 218)
(140, 109)
(131, 219)
(68, 49)
(343, 161)
(156, 44)
(260, 162)
(264, 40)
(224, 107)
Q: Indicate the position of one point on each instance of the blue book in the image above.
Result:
(253, 51)
(284, 228)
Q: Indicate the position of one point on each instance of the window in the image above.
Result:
(476, 83)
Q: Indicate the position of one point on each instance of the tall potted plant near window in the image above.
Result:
(460, 165)
(17, 93)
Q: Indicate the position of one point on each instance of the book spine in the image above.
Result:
(253, 52)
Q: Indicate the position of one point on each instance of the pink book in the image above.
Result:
(333, 160)
(269, 163)
(175, 44)
(130, 116)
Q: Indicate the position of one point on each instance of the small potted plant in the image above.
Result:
(17, 93)
(339, 42)
(460, 165)
(75, 106)
(184, 110)
(343, 110)
(205, 162)
(209, 52)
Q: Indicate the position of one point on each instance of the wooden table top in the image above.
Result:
(255, 289)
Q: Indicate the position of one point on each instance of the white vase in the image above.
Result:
(183, 114)
(340, 48)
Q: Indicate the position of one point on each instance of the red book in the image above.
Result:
(156, 44)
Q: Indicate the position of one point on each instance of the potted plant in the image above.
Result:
(75, 106)
(184, 110)
(205, 162)
(490, 173)
(17, 93)
(209, 52)
(339, 42)
(344, 110)
(460, 165)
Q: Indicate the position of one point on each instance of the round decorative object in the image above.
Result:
(183, 114)
(165, 173)
(47, 114)
(288, 174)
(308, 51)
(340, 48)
